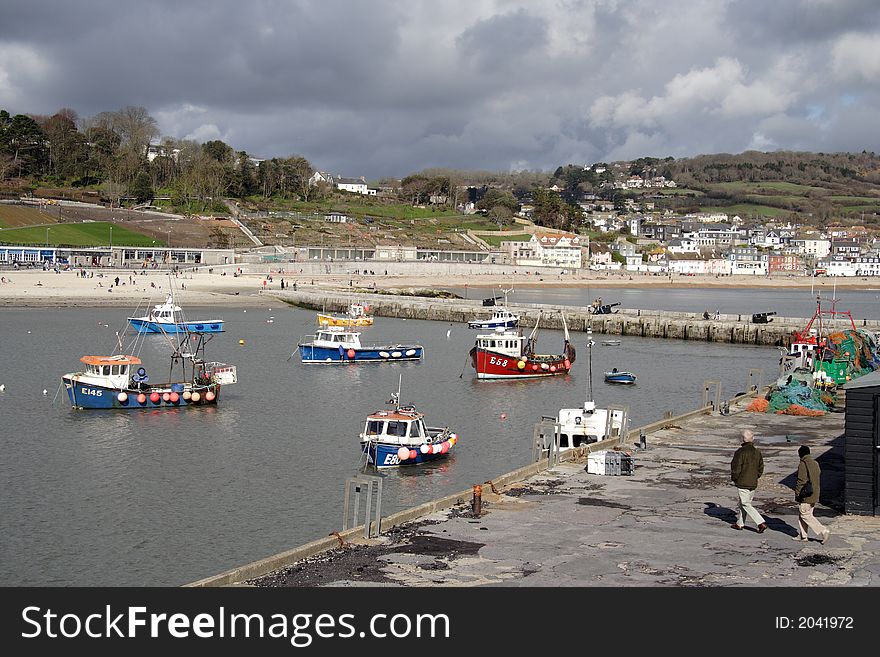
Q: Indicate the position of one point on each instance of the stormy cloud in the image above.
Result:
(388, 88)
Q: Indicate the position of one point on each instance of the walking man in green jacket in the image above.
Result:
(745, 470)
(806, 494)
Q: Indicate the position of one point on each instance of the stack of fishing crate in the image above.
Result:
(610, 462)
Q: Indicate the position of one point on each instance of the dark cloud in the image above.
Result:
(388, 88)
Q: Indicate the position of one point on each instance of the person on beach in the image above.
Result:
(746, 468)
(806, 494)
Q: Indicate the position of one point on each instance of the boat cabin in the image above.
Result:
(581, 426)
(357, 310)
(401, 427)
(164, 312)
(112, 371)
(503, 315)
(508, 343)
(336, 336)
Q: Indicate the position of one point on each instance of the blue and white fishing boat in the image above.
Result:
(501, 317)
(336, 344)
(120, 382)
(168, 318)
(615, 376)
(399, 436)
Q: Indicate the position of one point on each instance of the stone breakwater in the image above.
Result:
(735, 329)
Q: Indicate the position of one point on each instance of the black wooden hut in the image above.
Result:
(862, 445)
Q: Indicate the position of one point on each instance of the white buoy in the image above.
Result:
(245, 310)
(45, 392)
(29, 332)
(448, 332)
(2, 387)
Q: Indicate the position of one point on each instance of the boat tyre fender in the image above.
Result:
(384, 354)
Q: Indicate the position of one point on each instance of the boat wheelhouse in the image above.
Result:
(507, 354)
(588, 424)
(168, 318)
(336, 344)
(399, 436)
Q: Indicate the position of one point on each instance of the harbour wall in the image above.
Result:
(735, 329)
(239, 575)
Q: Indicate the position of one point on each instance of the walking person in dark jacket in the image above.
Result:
(745, 470)
(806, 494)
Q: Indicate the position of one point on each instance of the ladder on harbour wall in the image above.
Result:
(354, 488)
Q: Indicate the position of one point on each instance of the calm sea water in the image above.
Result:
(168, 497)
(863, 304)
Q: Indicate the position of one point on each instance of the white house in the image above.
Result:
(319, 177)
(683, 245)
(558, 249)
(356, 185)
(688, 264)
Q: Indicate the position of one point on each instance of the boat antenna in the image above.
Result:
(395, 396)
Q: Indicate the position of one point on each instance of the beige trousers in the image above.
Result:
(807, 521)
(745, 506)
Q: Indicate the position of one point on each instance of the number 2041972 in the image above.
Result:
(815, 622)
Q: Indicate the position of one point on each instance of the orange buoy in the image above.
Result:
(209, 396)
(350, 353)
(174, 397)
(567, 364)
(142, 398)
(154, 397)
(534, 366)
(166, 397)
(413, 453)
(503, 416)
(403, 453)
(553, 368)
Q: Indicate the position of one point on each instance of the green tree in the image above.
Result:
(142, 188)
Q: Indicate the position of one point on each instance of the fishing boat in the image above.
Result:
(501, 316)
(399, 436)
(356, 315)
(587, 424)
(616, 376)
(507, 354)
(825, 354)
(336, 344)
(168, 318)
(121, 382)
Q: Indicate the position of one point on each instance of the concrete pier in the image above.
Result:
(668, 524)
(736, 329)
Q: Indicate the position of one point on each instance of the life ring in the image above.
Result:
(141, 371)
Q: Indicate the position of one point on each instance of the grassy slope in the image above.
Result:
(88, 234)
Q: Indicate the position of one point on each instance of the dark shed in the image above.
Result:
(862, 446)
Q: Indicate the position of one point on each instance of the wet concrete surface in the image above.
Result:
(668, 524)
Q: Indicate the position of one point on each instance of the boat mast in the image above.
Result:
(590, 344)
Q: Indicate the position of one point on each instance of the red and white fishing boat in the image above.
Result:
(507, 354)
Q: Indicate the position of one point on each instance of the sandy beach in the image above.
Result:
(34, 288)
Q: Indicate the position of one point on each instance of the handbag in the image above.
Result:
(806, 491)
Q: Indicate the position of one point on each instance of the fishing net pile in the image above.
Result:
(859, 346)
(798, 399)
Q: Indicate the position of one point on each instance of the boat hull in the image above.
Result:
(91, 396)
(311, 354)
(622, 379)
(147, 326)
(492, 365)
(332, 320)
(384, 455)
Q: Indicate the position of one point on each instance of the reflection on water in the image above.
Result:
(167, 497)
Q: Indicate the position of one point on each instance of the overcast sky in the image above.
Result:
(387, 88)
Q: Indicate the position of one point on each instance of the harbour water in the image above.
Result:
(167, 497)
(785, 302)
